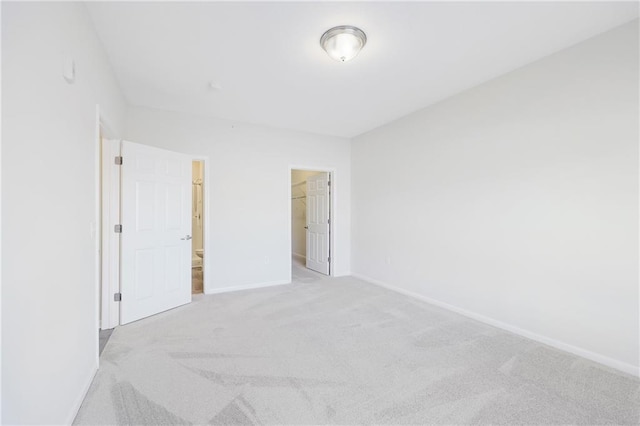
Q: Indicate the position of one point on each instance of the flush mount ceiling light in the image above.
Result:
(344, 42)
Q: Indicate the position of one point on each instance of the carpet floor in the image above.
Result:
(342, 351)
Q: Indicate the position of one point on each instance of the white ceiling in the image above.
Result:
(267, 58)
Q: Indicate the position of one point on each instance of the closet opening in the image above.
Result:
(311, 212)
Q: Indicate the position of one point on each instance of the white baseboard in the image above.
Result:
(80, 398)
(584, 353)
(247, 287)
(299, 256)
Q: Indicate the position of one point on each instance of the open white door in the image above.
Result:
(156, 228)
(318, 222)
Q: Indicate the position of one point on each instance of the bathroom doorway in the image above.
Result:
(114, 208)
(197, 227)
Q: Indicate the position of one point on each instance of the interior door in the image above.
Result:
(318, 220)
(156, 228)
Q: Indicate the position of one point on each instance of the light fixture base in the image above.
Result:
(343, 42)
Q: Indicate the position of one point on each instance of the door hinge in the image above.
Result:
(329, 259)
(117, 297)
(328, 183)
(118, 160)
(117, 229)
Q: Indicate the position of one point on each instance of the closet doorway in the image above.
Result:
(311, 219)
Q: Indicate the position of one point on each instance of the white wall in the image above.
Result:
(517, 201)
(49, 294)
(299, 211)
(248, 191)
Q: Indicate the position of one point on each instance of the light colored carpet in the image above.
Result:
(342, 351)
(103, 338)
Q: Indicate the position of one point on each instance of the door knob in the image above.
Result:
(188, 237)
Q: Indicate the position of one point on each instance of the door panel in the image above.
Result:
(156, 218)
(318, 206)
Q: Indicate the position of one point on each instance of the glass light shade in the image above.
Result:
(343, 43)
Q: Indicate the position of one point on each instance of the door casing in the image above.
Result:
(110, 241)
(105, 130)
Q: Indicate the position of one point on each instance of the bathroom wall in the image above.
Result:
(299, 212)
(197, 211)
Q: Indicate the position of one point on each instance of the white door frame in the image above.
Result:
(104, 128)
(110, 243)
(206, 246)
(333, 208)
(106, 320)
